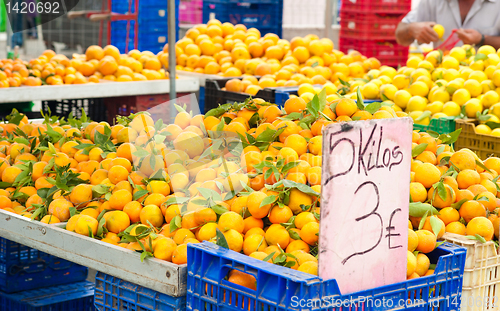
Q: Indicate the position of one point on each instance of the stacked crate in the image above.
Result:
(369, 26)
(191, 12)
(77, 296)
(153, 25)
(28, 278)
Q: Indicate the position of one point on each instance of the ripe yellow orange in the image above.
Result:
(481, 226)
(60, 208)
(426, 241)
(86, 225)
(119, 199)
(151, 214)
(117, 221)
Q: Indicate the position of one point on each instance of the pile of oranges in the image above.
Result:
(95, 65)
(233, 50)
(460, 191)
(245, 176)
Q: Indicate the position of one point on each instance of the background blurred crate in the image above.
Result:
(106, 109)
(207, 288)
(23, 268)
(153, 25)
(265, 15)
(74, 297)
(191, 12)
(441, 125)
(378, 6)
(124, 106)
(371, 26)
(115, 294)
(215, 95)
(483, 145)
(387, 52)
(93, 107)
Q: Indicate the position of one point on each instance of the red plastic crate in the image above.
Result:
(191, 12)
(377, 6)
(372, 26)
(387, 52)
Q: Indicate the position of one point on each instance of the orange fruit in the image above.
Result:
(280, 215)
(254, 205)
(133, 210)
(309, 232)
(449, 215)
(151, 214)
(426, 241)
(427, 225)
(427, 174)
(60, 209)
(481, 226)
(254, 243)
(276, 234)
(119, 199)
(456, 227)
(472, 209)
(295, 104)
(463, 160)
(242, 279)
(117, 221)
(467, 178)
(179, 255)
(94, 52)
(86, 225)
(81, 194)
(231, 220)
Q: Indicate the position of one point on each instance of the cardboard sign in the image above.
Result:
(364, 205)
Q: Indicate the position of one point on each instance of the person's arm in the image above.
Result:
(406, 33)
(472, 36)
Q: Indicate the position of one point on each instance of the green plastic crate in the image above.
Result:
(441, 125)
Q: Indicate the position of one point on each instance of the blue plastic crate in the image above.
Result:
(153, 25)
(265, 15)
(114, 294)
(74, 297)
(280, 288)
(23, 268)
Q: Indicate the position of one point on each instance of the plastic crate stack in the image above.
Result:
(191, 12)
(33, 280)
(368, 26)
(265, 15)
(153, 25)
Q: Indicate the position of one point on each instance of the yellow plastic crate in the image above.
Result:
(481, 285)
(484, 145)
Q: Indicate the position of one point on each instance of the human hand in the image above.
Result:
(423, 32)
(469, 36)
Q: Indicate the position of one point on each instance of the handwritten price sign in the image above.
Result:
(364, 204)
